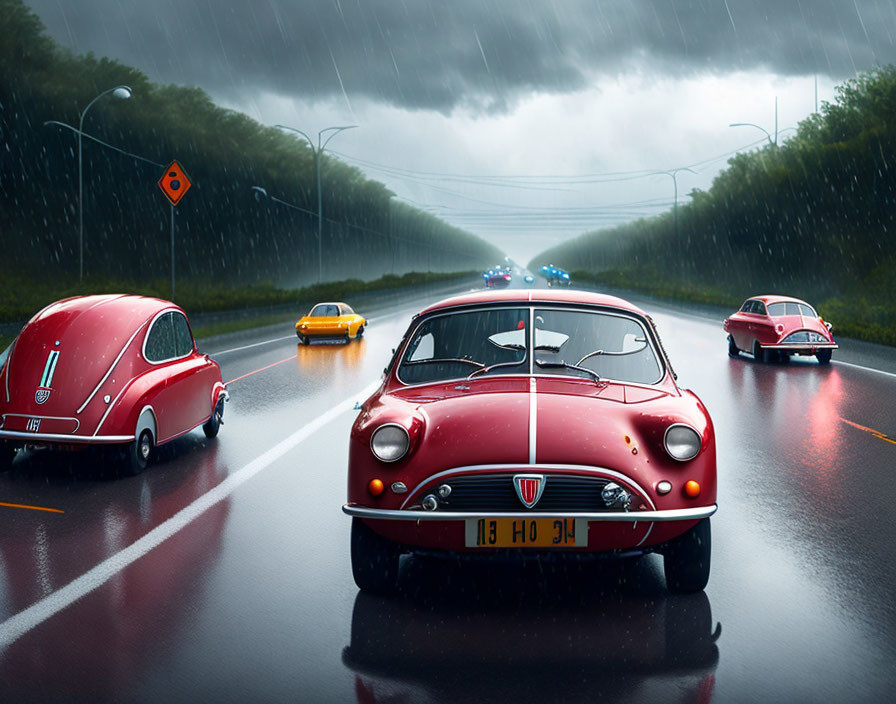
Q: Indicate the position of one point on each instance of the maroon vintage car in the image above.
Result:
(531, 422)
(107, 370)
(773, 328)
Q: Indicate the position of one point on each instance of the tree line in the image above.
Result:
(814, 217)
(224, 236)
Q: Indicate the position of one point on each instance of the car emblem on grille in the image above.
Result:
(529, 488)
(41, 396)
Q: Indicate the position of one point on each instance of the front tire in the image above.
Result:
(374, 560)
(823, 356)
(732, 348)
(360, 333)
(137, 455)
(213, 424)
(686, 560)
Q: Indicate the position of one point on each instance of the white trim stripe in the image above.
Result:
(533, 420)
(112, 366)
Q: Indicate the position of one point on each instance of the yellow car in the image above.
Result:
(330, 320)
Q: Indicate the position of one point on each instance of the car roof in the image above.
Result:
(329, 303)
(527, 296)
(124, 307)
(775, 298)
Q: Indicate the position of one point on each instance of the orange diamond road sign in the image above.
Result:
(174, 182)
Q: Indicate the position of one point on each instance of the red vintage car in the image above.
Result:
(530, 422)
(773, 328)
(112, 370)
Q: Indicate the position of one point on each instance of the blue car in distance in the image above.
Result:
(555, 276)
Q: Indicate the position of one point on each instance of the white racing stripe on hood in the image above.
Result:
(533, 419)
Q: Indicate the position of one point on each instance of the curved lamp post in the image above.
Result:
(316, 153)
(122, 93)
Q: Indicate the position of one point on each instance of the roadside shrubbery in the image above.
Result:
(814, 217)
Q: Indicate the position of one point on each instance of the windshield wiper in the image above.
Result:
(442, 360)
(486, 370)
(560, 364)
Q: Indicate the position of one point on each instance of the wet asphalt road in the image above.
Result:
(254, 601)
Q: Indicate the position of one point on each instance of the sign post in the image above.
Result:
(174, 184)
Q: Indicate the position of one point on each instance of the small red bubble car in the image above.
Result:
(113, 370)
(530, 422)
(773, 328)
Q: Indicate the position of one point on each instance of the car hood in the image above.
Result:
(551, 422)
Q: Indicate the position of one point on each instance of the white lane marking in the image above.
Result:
(280, 339)
(255, 344)
(867, 369)
(24, 621)
(533, 419)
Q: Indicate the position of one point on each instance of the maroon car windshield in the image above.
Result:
(555, 341)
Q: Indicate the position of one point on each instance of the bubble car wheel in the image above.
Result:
(213, 424)
(137, 455)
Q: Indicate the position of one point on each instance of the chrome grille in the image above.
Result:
(495, 492)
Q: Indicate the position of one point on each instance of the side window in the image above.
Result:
(776, 309)
(807, 311)
(747, 307)
(183, 338)
(160, 344)
(759, 307)
(425, 348)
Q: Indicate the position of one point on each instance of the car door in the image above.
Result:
(763, 326)
(195, 375)
(739, 326)
(183, 397)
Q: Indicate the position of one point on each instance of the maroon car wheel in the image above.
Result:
(374, 560)
(732, 347)
(686, 560)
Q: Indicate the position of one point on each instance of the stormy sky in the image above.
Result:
(524, 121)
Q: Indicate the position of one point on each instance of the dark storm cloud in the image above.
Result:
(479, 53)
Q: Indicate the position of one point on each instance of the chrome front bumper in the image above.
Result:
(678, 514)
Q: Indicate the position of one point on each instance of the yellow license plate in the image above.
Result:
(526, 532)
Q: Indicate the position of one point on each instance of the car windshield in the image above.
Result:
(791, 308)
(458, 345)
(586, 344)
(324, 311)
(612, 346)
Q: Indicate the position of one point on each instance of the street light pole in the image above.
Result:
(316, 153)
(773, 142)
(122, 93)
(673, 173)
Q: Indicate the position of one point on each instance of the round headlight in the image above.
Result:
(390, 442)
(682, 442)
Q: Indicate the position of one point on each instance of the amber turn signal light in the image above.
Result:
(376, 487)
(692, 489)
